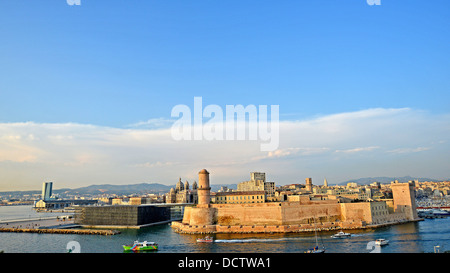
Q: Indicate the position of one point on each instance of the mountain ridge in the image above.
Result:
(157, 188)
(387, 180)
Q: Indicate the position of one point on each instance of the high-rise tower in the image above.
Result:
(47, 190)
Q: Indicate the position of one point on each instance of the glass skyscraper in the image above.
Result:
(47, 190)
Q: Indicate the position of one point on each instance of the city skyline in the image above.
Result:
(87, 91)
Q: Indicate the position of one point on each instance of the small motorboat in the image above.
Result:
(341, 234)
(381, 242)
(141, 246)
(207, 239)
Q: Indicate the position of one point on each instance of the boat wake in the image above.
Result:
(359, 235)
(258, 240)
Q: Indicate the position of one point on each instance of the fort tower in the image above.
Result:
(404, 199)
(309, 184)
(203, 187)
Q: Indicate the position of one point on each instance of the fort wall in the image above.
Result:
(261, 218)
(279, 213)
(295, 213)
(286, 217)
(198, 215)
(248, 214)
(356, 211)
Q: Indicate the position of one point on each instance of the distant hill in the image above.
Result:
(157, 188)
(141, 188)
(386, 180)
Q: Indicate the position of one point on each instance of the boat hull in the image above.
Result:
(315, 251)
(382, 243)
(207, 239)
(341, 236)
(204, 241)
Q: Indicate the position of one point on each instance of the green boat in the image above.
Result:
(141, 246)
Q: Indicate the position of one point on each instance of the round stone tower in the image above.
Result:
(309, 184)
(203, 189)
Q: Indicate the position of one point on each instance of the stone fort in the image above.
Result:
(297, 215)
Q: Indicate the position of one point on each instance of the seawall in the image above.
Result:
(302, 228)
(211, 229)
(62, 231)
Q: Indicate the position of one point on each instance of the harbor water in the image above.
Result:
(417, 237)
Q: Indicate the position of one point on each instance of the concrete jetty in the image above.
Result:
(50, 225)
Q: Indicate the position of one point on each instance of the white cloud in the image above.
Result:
(290, 152)
(339, 146)
(359, 149)
(409, 150)
(154, 123)
(155, 164)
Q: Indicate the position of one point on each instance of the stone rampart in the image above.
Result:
(329, 226)
(263, 218)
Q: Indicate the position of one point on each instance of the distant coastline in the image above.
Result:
(161, 188)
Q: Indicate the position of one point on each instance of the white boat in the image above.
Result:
(341, 234)
(316, 248)
(433, 213)
(207, 239)
(439, 212)
(381, 242)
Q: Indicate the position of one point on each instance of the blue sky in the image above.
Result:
(118, 63)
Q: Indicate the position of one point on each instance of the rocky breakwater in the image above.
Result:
(62, 231)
